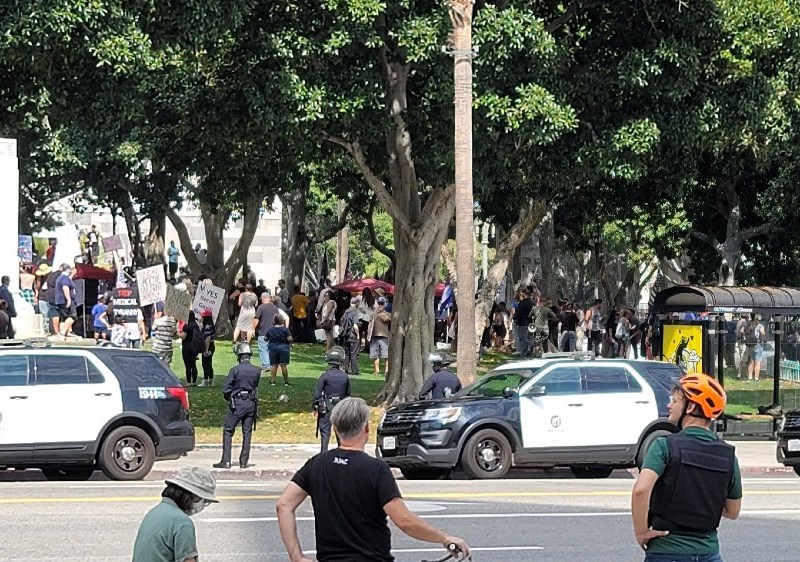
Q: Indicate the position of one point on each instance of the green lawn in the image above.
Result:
(279, 423)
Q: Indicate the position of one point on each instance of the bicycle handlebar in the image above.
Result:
(452, 552)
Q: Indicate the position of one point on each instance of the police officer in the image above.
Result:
(333, 385)
(241, 392)
(443, 383)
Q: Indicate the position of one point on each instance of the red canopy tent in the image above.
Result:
(358, 285)
(91, 271)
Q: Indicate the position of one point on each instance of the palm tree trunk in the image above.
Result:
(461, 15)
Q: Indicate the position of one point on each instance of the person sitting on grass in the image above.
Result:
(280, 339)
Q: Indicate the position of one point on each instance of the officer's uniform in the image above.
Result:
(333, 385)
(241, 392)
(441, 384)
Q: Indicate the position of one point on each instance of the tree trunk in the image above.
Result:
(547, 235)
(461, 16)
(342, 248)
(529, 219)
(134, 228)
(413, 314)
(222, 272)
(154, 242)
(297, 243)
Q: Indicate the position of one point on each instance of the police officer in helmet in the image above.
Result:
(332, 387)
(689, 480)
(443, 383)
(241, 392)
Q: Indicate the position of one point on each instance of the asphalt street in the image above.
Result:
(519, 519)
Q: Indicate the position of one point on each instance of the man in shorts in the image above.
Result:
(379, 336)
(352, 494)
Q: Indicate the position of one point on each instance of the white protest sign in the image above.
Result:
(210, 297)
(152, 285)
(177, 304)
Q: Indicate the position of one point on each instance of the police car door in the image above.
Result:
(550, 409)
(75, 397)
(16, 414)
(620, 403)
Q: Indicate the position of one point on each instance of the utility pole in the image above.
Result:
(467, 350)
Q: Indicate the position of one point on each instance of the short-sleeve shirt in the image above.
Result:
(209, 330)
(61, 282)
(166, 535)
(163, 334)
(266, 317)
(300, 306)
(97, 311)
(656, 460)
(278, 334)
(348, 490)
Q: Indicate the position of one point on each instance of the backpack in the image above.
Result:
(198, 343)
(750, 335)
(346, 327)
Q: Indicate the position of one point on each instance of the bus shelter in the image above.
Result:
(694, 324)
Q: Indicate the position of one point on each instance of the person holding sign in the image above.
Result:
(209, 332)
(193, 344)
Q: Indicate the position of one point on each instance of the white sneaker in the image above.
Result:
(201, 383)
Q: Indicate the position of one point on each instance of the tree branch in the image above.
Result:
(249, 227)
(373, 235)
(749, 233)
(375, 183)
(710, 240)
(185, 240)
(333, 230)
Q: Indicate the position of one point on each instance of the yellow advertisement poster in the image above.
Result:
(683, 346)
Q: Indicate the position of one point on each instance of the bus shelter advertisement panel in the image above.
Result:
(683, 346)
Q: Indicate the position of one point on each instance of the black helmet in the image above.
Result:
(242, 348)
(335, 355)
(443, 359)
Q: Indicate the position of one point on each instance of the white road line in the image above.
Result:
(472, 548)
(583, 514)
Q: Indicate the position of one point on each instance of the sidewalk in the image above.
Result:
(756, 459)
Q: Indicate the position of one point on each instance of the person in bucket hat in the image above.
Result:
(167, 533)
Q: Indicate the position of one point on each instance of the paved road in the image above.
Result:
(512, 520)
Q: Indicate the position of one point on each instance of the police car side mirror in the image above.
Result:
(509, 392)
(538, 390)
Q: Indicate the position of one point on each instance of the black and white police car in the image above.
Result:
(590, 415)
(788, 446)
(71, 410)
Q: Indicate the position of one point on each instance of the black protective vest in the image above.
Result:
(690, 496)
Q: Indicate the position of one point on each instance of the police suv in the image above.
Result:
(788, 450)
(71, 410)
(590, 415)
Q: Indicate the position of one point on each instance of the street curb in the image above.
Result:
(254, 474)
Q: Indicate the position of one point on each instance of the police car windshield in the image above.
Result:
(492, 384)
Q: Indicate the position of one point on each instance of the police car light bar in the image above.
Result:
(577, 355)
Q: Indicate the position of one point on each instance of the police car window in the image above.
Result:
(562, 380)
(14, 370)
(95, 376)
(609, 379)
(140, 369)
(492, 385)
(61, 369)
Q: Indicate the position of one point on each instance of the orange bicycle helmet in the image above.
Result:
(705, 392)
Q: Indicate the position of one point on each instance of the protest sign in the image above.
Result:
(125, 304)
(112, 243)
(208, 297)
(25, 248)
(177, 304)
(152, 285)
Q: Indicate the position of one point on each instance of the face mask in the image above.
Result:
(197, 507)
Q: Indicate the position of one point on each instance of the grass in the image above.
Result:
(291, 422)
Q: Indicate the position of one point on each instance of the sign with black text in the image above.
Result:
(177, 304)
(126, 304)
(152, 285)
(210, 297)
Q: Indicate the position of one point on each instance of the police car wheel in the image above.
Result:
(486, 455)
(422, 473)
(591, 471)
(73, 473)
(127, 453)
(647, 442)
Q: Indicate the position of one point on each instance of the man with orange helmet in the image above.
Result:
(672, 521)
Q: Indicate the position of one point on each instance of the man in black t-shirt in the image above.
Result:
(352, 493)
(522, 317)
(569, 326)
